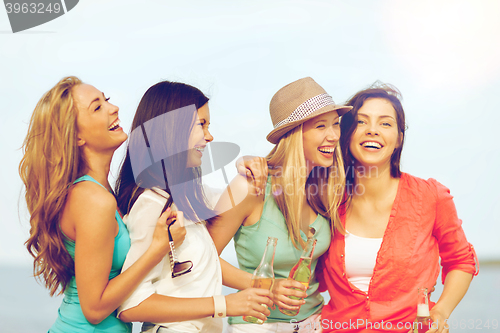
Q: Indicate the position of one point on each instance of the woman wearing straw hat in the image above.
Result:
(305, 184)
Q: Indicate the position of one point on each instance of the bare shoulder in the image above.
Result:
(241, 184)
(87, 199)
(243, 189)
(91, 195)
(240, 200)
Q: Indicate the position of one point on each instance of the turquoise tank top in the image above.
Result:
(70, 316)
(250, 242)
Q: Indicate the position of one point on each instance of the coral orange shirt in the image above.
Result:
(423, 226)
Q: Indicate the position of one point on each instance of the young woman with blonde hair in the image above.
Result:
(305, 185)
(77, 237)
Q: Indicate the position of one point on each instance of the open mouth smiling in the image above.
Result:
(200, 149)
(371, 144)
(115, 125)
(326, 149)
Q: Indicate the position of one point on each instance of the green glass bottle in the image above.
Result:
(301, 272)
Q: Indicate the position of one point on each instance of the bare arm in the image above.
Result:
(236, 205)
(163, 309)
(95, 230)
(455, 286)
(234, 277)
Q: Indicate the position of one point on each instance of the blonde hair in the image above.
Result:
(290, 181)
(51, 162)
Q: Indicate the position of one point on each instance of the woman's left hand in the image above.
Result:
(439, 321)
(283, 289)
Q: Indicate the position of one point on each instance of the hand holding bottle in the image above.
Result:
(283, 289)
(438, 321)
(425, 322)
(252, 302)
(301, 273)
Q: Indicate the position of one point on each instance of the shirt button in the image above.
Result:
(341, 256)
(367, 297)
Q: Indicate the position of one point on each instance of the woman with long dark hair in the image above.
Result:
(397, 227)
(162, 171)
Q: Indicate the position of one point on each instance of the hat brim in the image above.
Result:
(275, 135)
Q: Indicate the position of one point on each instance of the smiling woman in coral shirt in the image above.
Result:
(396, 228)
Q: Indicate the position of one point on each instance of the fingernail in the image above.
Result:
(168, 209)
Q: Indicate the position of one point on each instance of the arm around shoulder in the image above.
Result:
(235, 205)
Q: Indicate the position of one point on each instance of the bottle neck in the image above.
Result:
(422, 303)
(309, 249)
(268, 256)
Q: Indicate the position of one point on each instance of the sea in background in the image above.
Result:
(25, 305)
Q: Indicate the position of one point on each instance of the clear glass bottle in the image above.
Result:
(263, 276)
(301, 272)
(423, 322)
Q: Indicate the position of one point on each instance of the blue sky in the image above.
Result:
(442, 55)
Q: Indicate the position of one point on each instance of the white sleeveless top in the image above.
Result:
(360, 259)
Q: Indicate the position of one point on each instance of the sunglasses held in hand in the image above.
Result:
(177, 268)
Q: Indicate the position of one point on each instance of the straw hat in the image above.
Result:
(298, 102)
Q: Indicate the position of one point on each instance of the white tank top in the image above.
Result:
(360, 259)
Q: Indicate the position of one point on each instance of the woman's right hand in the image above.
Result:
(160, 235)
(283, 288)
(176, 222)
(249, 302)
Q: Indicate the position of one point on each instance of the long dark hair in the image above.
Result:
(349, 123)
(157, 150)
